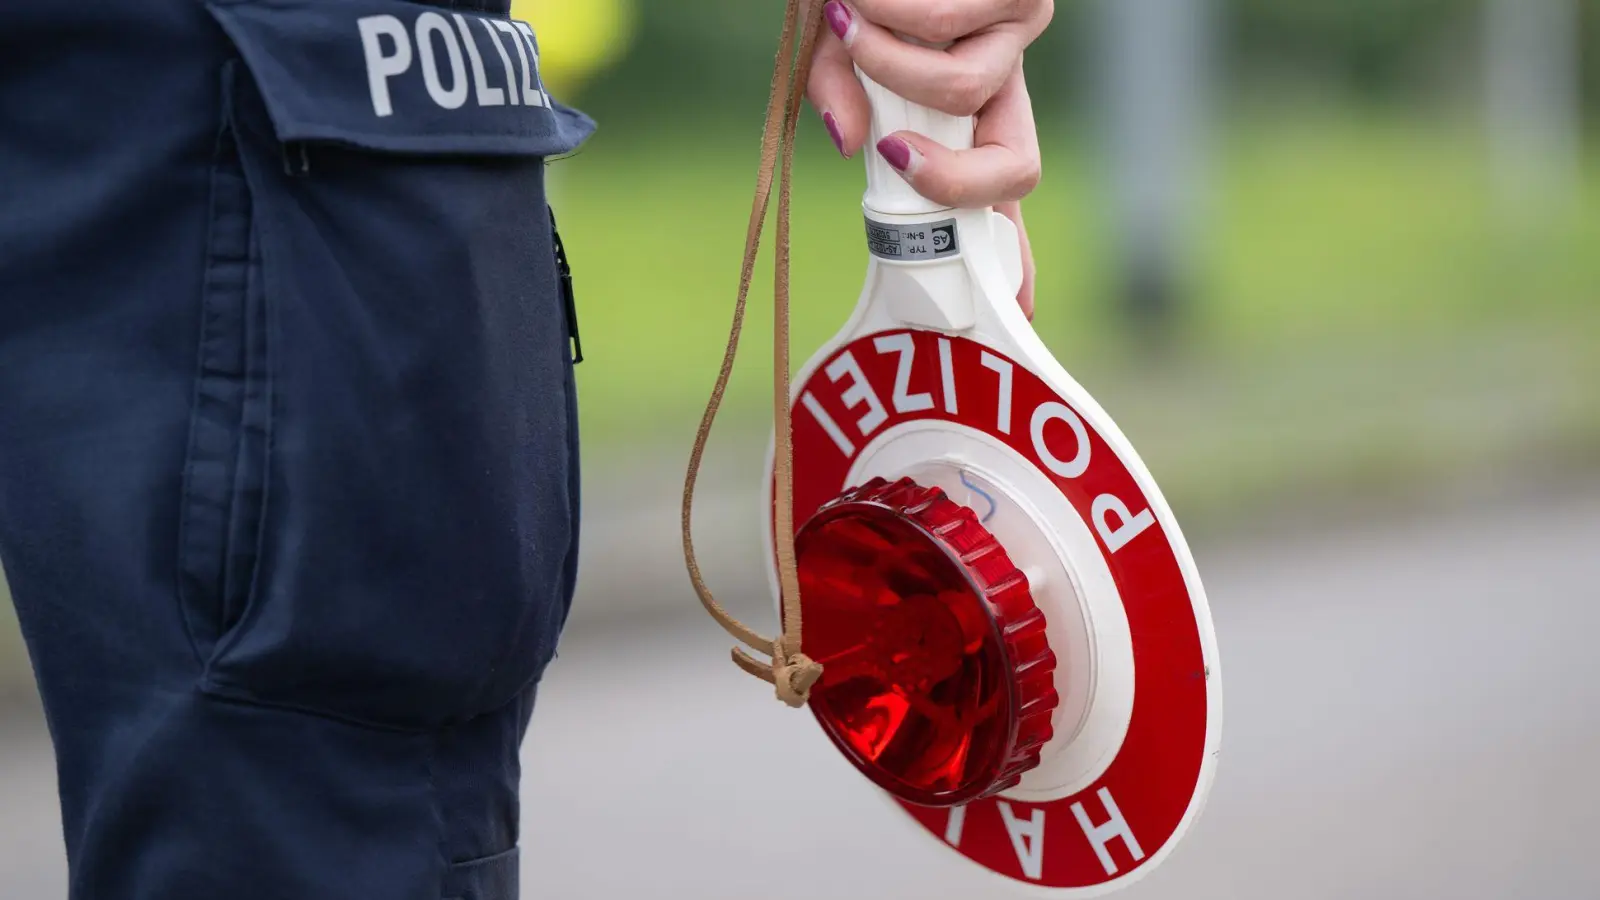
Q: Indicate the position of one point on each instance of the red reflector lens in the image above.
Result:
(937, 681)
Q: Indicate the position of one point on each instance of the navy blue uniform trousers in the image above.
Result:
(288, 454)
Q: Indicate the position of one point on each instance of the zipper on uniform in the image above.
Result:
(569, 301)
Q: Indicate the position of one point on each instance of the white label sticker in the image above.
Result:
(910, 243)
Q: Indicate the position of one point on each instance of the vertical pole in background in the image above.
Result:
(1153, 67)
(1532, 92)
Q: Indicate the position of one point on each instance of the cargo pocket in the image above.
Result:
(223, 474)
(383, 504)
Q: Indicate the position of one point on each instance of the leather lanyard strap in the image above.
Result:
(790, 671)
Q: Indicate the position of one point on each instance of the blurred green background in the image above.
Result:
(1364, 308)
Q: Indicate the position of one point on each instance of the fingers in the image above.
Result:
(977, 73)
(944, 21)
(958, 80)
(1003, 166)
(1025, 295)
(836, 93)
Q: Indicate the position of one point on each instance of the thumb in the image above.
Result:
(836, 93)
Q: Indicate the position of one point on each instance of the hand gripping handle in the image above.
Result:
(887, 191)
(945, 301)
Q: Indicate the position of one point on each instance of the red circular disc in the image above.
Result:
(938, 682)
(1117, 824)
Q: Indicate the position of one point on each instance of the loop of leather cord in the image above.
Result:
(790, 671)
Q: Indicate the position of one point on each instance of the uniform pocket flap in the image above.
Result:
(389, 75)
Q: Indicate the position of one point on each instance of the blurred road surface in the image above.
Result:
(1413, 711)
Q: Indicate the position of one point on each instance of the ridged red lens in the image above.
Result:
(937, 681)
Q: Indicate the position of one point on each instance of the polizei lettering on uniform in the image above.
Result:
(460, 59)
(862, 396)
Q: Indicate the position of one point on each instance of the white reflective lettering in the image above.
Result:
(533, 51)
(904, 402)
(505, 60)
(487, 96)
(859, 392)
(1004, 369)
(954, 825)
(1129, 526)
(1027, 839)
(1100, 835)
(828, 425)
(529, 98)
(947, 372)
(380, 66)
(429, 24)
(1058, 411)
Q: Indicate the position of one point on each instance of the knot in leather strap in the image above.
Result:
(794, 676)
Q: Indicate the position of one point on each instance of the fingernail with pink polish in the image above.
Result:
(899, 154)
(840, 19)
(832, 125)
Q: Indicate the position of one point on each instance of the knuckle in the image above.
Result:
(1035, 11)
(816, 82)
(965, 92)
(935, 182)
(944, 22)
(955, 192)
(1028, 177)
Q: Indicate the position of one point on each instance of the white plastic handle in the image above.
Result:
(887, 192)
(919, 286)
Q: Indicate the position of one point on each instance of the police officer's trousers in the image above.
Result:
(288, 458)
